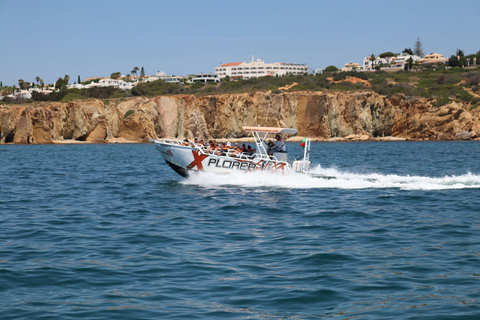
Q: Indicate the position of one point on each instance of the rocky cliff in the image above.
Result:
(315, 114)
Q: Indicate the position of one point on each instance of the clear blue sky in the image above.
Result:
(53, 38)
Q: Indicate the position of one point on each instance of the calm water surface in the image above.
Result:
(111, 232)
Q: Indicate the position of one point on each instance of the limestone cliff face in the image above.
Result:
(315, 114)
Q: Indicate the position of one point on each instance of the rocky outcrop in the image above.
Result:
(326, 115)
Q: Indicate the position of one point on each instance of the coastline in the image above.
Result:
(321, 116)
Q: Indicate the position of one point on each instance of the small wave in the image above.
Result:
(333, 178)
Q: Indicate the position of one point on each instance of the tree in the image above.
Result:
(1, 84)
(37, 79)
(142, 73)
(458, 60)
(115, 75)
(418, 49)
(66, 79)
(407, 51)
(372, 59)
(134, 71)
(79, 80)
(61, 84)
(331, 69)
(21, 83)
(386, 54)
(410, 63)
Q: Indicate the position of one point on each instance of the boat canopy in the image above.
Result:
(271, 130)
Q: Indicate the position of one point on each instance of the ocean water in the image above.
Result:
(109, 231)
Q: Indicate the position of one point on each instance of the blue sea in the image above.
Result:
(109, 231)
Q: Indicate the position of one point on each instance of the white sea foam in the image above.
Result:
(335, 179)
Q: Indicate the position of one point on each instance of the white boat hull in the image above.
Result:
(185, 160)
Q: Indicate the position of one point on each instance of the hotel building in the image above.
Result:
(258, 68)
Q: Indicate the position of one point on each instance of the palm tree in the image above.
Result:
(37, 79)
(135, 70)
(21, 83)
(372, 58)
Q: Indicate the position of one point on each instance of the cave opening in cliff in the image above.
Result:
(82, 138)
(9, 137)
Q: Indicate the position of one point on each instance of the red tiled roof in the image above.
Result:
(230, 64)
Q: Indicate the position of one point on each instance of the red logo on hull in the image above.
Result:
(197, 162)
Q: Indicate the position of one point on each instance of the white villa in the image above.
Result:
(105, 82)
(395, 63)
(258, 68)
(205, 77)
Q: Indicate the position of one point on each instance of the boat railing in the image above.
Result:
(169, 141)
(228, 153)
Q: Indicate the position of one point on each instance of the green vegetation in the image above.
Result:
(443, 84)
(115, 75)
(128, 113)
(157, 88)
(72, 96)
(331, 69)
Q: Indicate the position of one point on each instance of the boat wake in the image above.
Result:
(334, 179)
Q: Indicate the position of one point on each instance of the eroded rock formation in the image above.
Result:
(315, 114)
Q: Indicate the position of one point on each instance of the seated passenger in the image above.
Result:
(279, 145)
(250, 150)
(211, 147)
(198, 144)
(221, 150)
(186, 143)
(244, 148)
(270, 146)
(237, 147)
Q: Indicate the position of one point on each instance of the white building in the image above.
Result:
(398, 62)
(258, 68)
(205, 77)
(171, 79)
(369, 64)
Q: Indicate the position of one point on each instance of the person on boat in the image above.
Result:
(186, 143)
(279, 145)
(250, 150)
(270, 146)
(237, 151)
(211, 147)
(221, 150)
(199, 144)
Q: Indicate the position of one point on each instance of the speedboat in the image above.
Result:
(186, 158)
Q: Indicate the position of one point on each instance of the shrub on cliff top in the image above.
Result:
(128, 113)
(73, 96)
(156, 88)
